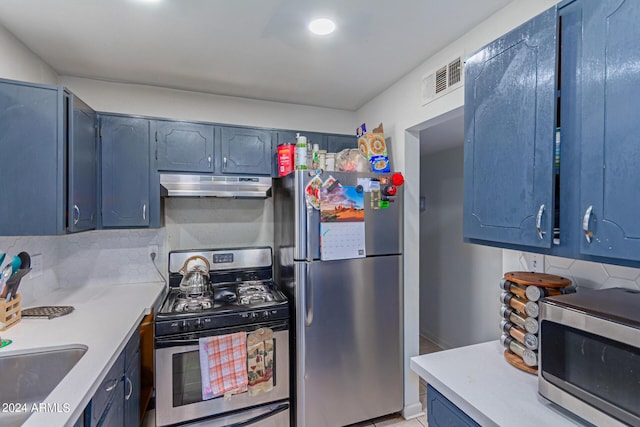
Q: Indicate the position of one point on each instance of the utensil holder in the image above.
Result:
(10, 312)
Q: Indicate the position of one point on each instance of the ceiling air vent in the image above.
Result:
(455, 71)
(442, 81)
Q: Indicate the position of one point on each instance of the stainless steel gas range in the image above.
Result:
(212, 293)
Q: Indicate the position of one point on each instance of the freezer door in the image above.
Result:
(350, 341)
(383, 226)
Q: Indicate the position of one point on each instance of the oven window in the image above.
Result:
(187, 384)
(187, 381)
(602, 367)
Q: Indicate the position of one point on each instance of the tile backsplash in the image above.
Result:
(585, 274)
(106, 257)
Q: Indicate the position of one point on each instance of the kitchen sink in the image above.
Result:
(28, 378)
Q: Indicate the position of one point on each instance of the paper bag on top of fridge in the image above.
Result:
(373, 146)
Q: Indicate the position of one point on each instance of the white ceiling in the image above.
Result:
(257, 49)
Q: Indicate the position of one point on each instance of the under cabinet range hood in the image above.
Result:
(184, 185)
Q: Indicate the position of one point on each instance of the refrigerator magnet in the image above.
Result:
(365, 183)
(331, 183)
(312, 192)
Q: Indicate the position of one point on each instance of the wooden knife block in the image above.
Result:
(10, 312)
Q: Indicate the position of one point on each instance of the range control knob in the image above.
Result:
(198, 324)
(390, 190)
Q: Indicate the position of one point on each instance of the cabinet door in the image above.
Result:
(610, 86)
(442, 413)
(184, 147)
(30, 162)
(132, 392)
(509, 136)
(246, 151)
(337, 143)
(114, 415)
(83, 164)
(125, 172)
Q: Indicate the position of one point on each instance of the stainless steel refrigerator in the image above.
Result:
(348, 313)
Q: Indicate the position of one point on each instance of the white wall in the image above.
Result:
(19, 63)
(399, 108)
(458, 281)
(184, 105)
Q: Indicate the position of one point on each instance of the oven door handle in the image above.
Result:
(280, 408)
(176, 343)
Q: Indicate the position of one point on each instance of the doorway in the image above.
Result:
(458, 281)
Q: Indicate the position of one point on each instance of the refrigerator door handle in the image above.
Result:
(301, 218)
(308, 317)
(309, 213)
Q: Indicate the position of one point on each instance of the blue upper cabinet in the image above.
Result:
(245, 151)
(48, 160)
(337, 143)
(510, 98)
(83, 167)
(126, 196)
(184, 147)
(610, 90)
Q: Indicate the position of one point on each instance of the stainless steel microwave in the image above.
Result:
(589, 355)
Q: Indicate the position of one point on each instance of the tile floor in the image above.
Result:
(394, 420)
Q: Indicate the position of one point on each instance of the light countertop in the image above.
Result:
(104, 319)
(479, 381)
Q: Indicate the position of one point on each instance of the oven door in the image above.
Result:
(179, 384)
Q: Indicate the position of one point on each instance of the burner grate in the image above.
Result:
(192, 304)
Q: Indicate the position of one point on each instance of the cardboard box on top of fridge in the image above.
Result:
(372, 145)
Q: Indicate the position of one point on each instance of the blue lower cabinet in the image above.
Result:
(442, 413)
(116, 403)
(132, 391)
(113, 416)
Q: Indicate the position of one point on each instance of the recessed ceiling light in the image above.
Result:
(322, 26)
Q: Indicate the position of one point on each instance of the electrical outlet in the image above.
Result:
(534, 262)
(36, 265)
(153, 249)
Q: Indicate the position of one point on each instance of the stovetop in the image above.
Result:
(223, 297)
(241, 292)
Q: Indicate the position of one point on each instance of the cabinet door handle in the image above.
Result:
(539, 222)
(76, 214)
(144, 211)
(130, 388)
(585, 224)
(209, 160)
(112, 386)
(224, 162)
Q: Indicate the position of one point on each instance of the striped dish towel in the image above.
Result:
(223, 365)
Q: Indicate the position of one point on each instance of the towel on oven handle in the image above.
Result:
(260, 361)
(223, 365)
